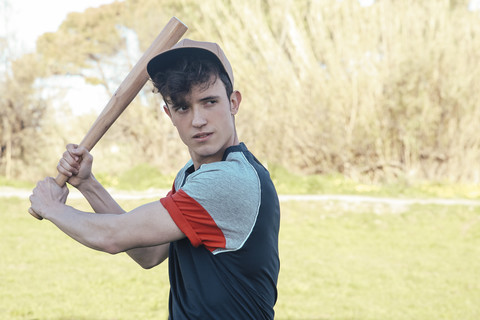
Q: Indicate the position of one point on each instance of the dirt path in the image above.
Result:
(6, 192)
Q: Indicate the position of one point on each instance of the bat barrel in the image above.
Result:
(133, 83)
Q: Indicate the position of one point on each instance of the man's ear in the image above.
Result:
(235, 100)
(167, 111)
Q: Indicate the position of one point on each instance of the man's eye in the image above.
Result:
(181, 109)
(213, 101)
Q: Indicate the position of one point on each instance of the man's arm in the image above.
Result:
(98, 197)
(77, 164)
(101, 201)
(146, 226)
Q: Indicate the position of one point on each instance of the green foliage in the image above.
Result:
(14, 183)
(23, 115)
(289, 182)
(85, 40)
(338, 261)
(140, 177)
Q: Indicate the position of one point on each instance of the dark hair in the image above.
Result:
(175, 82)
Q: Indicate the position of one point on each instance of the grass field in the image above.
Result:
(338, 261)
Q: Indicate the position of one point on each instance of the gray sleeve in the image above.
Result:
(230, 192)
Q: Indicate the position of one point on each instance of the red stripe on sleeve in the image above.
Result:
(194, 221)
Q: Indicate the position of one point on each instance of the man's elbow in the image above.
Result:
(107, 244)
(108, 248)
(148, 258)
(150, 262)
(147, 266)
(112, 249)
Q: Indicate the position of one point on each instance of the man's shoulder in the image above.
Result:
(238, 167)
(230, 173)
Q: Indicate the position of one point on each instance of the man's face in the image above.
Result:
(205, 122)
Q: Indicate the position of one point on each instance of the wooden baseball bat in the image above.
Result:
(127, 90)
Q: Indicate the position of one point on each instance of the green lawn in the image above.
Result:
(338, 261)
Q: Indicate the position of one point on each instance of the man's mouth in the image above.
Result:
(202, 135)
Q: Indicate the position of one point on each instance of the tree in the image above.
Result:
(84, 45)
(22, 112)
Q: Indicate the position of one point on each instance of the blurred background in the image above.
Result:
(375, 91)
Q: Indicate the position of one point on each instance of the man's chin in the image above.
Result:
(207, 154)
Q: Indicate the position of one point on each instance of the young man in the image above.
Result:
(218, 225)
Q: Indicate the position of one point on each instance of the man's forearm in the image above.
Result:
(101, 202)
(98, 197)
(91, 230)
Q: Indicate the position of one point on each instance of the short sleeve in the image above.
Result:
(218, 204)
(194, 221)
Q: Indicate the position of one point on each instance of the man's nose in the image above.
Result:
(199, 118)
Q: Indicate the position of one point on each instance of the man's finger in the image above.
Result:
(71, 167)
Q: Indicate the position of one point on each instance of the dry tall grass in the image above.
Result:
(387, 91)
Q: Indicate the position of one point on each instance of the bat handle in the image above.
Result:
(60, 180)
(34, 214)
